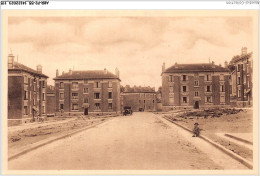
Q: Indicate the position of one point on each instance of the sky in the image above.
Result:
(137, 46)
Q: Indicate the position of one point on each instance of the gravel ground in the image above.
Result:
(24, 136)
(240, 122)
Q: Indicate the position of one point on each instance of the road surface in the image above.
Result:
(138, 142)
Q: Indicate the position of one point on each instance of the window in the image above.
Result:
(25, 80)
(184, 99)
(184, 77)
(208, 99)
(222, 88)
(43, 109)
(61, 106)
(75, 95)
(184, 88)
(171, 100)
(230, 89)
(222, 99)
(97, 106)
(85, 90)
(29, 80)
(109, 95)
(139, 101)
(110, 106)
(196, 83)
(208, 89)
(239, 93)
(221, 77)
(110, 84)
(238, 68)
(239, 80)
(34, 102)
(208, 77)
(171, 78)
(75, 107)
(153, 101)
(25, 112)
(97, 84)
(144, 101)
(96, 96)
(61, 85)
(61, 95)
(34, 87)
(196, 94)
(75, 85)
(26, 95)
(85, 81)
(43, 84)
(85, 100)
(43, 96)
(171, 89)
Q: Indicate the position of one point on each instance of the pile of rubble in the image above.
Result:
(216, 112)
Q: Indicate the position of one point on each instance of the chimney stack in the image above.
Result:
(226, 64)
(63, 73)
(39, 69)
(10, 61)
(105, 70)
(163, 67)
(117, 72)
(244, 51)
(57, 73)
(70, 71)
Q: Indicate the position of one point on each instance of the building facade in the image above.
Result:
(194, 86)
(139, 98)
(241, 67)
(26, 91)
(51, 99)
(87, 92)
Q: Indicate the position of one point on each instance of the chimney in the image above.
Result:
(10, 61)
(105, 70)
(163, 67)
(63, 73)
(39, 69)
(117, 72)
(70, 71)
(244, 51)
(226, 64)
(213, 64)
(57, 73)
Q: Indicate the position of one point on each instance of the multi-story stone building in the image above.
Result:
(87, 92)
(241, 67)
(139, 98)
(26, 91)
(194, 85)
(51, 99)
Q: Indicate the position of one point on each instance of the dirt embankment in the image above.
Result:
(213, 121)
(25, 136)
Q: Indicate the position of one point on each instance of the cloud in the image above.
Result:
(136, 45)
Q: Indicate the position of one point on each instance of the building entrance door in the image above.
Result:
(196, 105)
(86, 111)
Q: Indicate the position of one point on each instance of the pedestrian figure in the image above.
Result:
(196, 130)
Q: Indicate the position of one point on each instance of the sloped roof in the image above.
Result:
(19, 66)
(241, 57)
(89, 74)
(181, 68)
(139, 90)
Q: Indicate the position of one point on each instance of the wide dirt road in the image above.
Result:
(138, 142)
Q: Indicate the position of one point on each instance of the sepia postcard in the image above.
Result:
(130, 91)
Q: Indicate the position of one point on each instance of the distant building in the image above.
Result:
(51, 99)
(87, 92)
(241, 67)
(26, 91)
(194, 85)
(139, 98)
